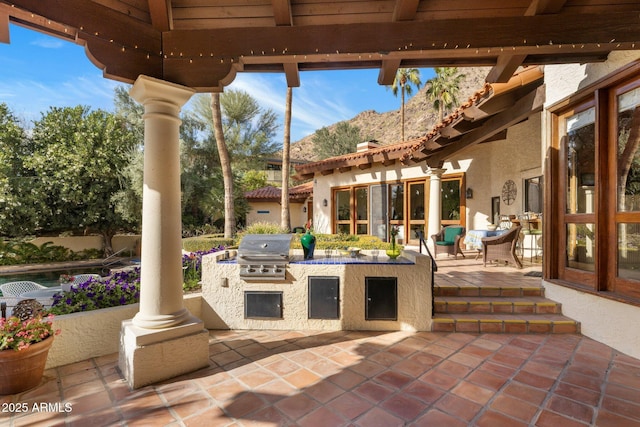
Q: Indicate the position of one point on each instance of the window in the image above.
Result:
(533, 194)
(597, 142)
(343, 211)
(450, 204)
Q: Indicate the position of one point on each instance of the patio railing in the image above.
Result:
(434, 268)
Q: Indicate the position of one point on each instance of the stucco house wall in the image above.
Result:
(605, 320)
(517, 158)
(487, 167)
(270, 212)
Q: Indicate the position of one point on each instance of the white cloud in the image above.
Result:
(48, 43)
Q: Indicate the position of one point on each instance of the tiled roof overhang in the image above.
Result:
(485, 117)
(297, 194)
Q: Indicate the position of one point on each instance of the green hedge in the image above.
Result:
(204, 243)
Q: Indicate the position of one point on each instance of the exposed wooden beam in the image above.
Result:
(523, 35)
(343, 169)
(405, 10)
(538, 7)
(505, 66)
(292, 74)
(523, 108)
(282, 12)
(326, 172)
(4, 28)
(160, 12)
(363, 166)
(388, 71)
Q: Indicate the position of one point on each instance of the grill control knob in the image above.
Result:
(263, 269)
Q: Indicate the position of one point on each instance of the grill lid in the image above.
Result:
(273, 247)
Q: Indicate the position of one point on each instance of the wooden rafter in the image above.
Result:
(521, 110)
(282, 12)
(405, 10)
(160, 12)
(507, 64)
(292, 74)
(4, 28)
(388, 71)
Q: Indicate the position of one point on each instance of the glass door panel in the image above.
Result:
(342, 213)
(627, 216)
(450, 203)
(416, 208)
(362, 210)
(578, 150)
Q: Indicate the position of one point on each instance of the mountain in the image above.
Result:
(385, 128)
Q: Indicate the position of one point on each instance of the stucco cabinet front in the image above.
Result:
(304, 299)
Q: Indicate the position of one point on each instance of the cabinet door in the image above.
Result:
(324, 298)
(381, 295)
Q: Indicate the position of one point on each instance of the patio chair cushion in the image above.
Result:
(450, 234)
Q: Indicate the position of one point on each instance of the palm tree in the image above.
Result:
(225, 165)
(285, 217)
(405, 79)
(443, 89)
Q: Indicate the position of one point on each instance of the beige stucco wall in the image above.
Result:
(270, 212)
(610, 322)
(517, 158)
(223, 291)
(97, 333)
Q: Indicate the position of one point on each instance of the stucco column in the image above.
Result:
(161, 294)
(435, 200)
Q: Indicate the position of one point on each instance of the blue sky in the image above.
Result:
(39, 71)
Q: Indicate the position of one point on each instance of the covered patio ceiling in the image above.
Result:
(203, 43)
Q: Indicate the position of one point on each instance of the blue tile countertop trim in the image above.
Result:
(340, 260)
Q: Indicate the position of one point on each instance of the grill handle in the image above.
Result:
(263, 256)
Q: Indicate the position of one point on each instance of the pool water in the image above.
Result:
(51, 278)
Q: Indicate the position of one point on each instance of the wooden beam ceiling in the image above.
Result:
(204, 44)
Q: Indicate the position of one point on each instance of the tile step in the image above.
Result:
(488, 291)
(505, 323)
(504, 305)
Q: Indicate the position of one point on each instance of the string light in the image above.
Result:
(124, 47)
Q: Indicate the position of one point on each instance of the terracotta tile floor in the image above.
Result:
(287, 378)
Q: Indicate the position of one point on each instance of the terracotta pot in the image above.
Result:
(22, 370)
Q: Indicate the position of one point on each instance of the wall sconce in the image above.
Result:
(469, 193)
(325, 203)
(304, 209)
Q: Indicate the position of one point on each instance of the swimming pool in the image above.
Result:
(51, 278)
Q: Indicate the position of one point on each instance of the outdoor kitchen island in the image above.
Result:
(328, 292)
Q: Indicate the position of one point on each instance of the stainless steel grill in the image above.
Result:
(264, 256)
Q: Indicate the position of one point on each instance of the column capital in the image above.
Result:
(436, 172)
(146, 89)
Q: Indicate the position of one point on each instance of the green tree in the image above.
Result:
(442, 90)
(19, 209)
(78, 157)
(253, 179)
(404, 81)
(343, 140)
(242, 134)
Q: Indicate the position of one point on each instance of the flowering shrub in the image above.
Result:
(122, 288)
(66, 278)
(17, 335)
(192, 267)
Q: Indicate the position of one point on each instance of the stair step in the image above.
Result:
(505, 323)
(488, 291)
(503, 305)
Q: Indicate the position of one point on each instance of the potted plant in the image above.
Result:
(394, 251)
(24, 347)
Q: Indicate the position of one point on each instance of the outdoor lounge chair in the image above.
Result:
(448, 240)
(502, 248)
(81, 278)
(15, 289)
